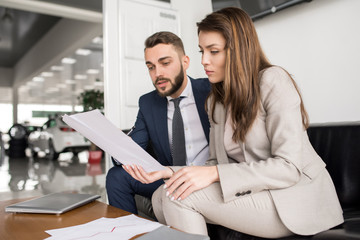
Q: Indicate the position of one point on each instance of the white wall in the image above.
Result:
(319, 44)
(190, 13)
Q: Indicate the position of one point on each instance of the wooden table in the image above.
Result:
(24, 226)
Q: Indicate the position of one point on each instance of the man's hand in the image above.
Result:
(190, 179)
(139, 173)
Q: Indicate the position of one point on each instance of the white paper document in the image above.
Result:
(94, 126)
(120, 228)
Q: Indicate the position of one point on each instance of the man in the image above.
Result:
(167, 64)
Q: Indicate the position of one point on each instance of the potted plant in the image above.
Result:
(90, 100)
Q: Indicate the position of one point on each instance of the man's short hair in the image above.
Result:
(165, 38)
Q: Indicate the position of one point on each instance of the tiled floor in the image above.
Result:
(28, 177)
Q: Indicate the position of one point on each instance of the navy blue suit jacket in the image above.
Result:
(151, 123)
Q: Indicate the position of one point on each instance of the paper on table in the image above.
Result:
(94, 126)
(105, 228)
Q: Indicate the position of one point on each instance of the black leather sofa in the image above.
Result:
(338, 144)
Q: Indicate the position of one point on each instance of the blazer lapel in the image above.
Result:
(220, 116)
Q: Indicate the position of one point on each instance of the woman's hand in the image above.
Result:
(139, 173)
(190, 179)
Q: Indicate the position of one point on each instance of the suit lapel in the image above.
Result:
(161, 126)
(220, 118)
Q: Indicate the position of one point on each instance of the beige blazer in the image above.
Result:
(277, 156)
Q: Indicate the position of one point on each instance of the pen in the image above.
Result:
(131, 130)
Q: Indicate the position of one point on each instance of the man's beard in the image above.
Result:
(179, 79)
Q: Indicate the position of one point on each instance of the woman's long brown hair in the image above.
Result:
(240, 90)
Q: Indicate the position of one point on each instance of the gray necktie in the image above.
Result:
(178, 137)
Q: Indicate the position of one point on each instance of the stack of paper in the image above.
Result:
(94, 126)
(106, 228)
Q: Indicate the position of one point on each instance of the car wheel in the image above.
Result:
(75, 152)
(17, 148)
(34, 154)
(17, 132)
(53, 154)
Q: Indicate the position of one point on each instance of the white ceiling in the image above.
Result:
(63, 82)
(40, 73)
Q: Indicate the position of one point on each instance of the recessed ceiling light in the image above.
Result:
(83, 51)
(57, 68)
(47, 74)
(38, 79)
(70, 81)
(99, 84)
(97, 40)
(68, 60)
(80, 76)
(92, 71)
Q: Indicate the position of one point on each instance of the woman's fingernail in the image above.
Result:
(165, 186)
(167, 193)
(179, 199)
(172, 198)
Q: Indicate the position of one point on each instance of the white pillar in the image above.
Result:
(112, 86)
(111, 55)
(15, 101)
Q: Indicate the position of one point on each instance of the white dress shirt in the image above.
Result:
(197, 149)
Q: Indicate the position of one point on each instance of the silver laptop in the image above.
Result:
(55, 203)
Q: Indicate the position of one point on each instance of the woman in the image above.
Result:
(263, 177)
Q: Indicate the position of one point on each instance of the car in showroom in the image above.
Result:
(56, 137)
